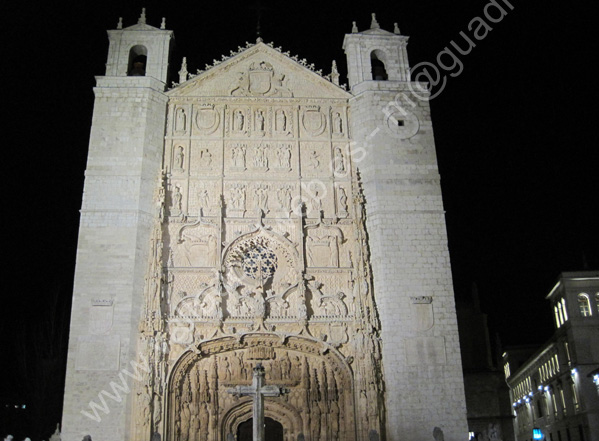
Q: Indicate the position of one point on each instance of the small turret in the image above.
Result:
(376, 54)
(139, 50)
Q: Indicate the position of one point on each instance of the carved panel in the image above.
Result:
(205, 158)
(316, 159)
(207, 119)
(205, 195)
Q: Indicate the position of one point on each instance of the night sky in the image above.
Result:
(516, 138)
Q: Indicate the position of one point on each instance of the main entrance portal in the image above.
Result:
(273, 430)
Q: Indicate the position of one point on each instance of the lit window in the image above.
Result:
(563, 399)
(575, 396)
(557, 322)
(567, 348)
(560, 310)
(584, 304)
(564, 309)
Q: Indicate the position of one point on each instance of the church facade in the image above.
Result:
(260, 213)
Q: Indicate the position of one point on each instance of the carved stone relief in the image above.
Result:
(205, 158)
(179, 156)
(204, 195)
(323, 243)
(314, 120)
(260, 79)
(316, 159)
(181, 120)
(318, 404)
(207, 119)
(236, 257)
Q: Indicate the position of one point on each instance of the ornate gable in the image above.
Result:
(260, 71)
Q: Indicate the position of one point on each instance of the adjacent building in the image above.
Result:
(554, 392)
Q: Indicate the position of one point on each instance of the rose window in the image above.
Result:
(259, 263)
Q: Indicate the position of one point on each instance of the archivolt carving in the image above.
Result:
(319, 404)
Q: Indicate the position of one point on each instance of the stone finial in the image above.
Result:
(119, 25)
(396, 29)
(354, 27)
(374, 24)
(183, 72)
(142, 17)
(334, 73)
(259, 40)
(163, 23)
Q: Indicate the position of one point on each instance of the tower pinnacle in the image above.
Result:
(374, 24)
(142, 17)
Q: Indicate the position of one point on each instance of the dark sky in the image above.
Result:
(516, 134)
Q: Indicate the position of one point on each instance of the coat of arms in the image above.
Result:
(260, 80)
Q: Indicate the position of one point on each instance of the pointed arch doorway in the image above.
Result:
(273, 430)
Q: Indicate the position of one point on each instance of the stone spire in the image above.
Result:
(119, 25)
(183, 72)
(354, 27)
(142, 17)
(334, 73)
(163, 23)
(396, 29)
(374, 24)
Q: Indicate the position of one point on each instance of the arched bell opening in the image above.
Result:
(138, 60)
(377, 64)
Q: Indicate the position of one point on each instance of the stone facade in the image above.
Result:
(259, 212)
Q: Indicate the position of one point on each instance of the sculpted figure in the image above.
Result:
(284, 198)
(177, 198)
(281, 121)
(260, 120)
(238, 156)
(238, 198)
(194, 428)
(342, 200)
(337, 124)
(284, 157)
(203, 199)
(180, 120)
(205, 158)
(314, 159)
(239, 121)
(339, 161)
(316, 201)
(262, 199)
(180, 158)
(261, 158)
(185, 422)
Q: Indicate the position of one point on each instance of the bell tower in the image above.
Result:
(395, 153)
(117, 213)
